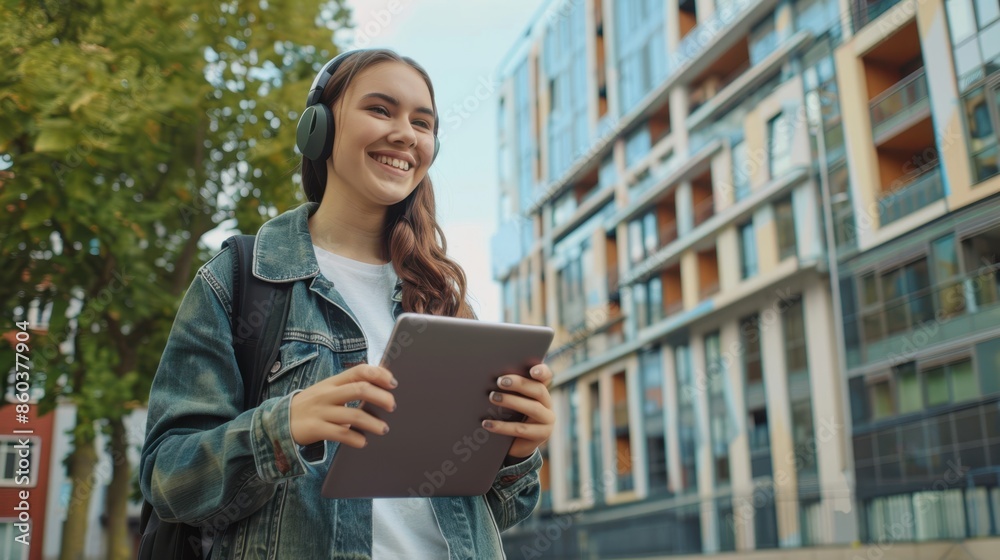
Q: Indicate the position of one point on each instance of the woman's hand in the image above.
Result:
(533, 400)
(319, 412)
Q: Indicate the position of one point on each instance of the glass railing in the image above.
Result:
(706, 32)
(864, 11)
(917, 190)
(950, 309)
(898, 103)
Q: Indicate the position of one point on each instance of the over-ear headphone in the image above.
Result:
(314, 135)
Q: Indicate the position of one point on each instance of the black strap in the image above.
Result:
(260, 311)
(259, 314)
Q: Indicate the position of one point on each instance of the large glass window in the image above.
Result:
(640, 37)
(753, 365)
(802, 434)
(796, 359)
(719, 412)
(572, 437)
(564, 58)
(975, 37)
(650, 365)
(896, 301)
(779, 142)
(784, 220)
(741, 170)
(687, 419)
(748, 250)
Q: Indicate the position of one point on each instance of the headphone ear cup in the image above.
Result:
(314, 133)
(437, 148)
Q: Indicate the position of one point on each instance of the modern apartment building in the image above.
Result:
(766, 235)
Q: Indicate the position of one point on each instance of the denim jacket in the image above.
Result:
(238, 474)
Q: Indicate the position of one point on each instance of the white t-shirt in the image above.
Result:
(401, 527)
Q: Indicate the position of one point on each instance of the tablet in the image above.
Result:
(436, 445)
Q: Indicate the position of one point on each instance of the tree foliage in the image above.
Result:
(129, 129)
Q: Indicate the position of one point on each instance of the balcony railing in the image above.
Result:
(703, 211)
(864, 11)
(900, 102)
(621, 415)
(708, 290)
(918, 189)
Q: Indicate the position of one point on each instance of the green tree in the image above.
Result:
(128, 130)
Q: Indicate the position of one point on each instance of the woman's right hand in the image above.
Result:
(319, 412)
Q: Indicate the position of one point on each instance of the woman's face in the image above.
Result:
(384, 134)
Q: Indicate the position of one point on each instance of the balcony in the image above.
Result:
(864, 11)
(621, 415)
(916, 190)
(898, 104)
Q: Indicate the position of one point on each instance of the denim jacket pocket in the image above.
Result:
(294, 368)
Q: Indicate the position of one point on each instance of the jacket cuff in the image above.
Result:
(517, 474)
(275, 454)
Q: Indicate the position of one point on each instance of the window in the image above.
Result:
(572, 437)
(753, 367)
(975, 37)
(741, 170)
(796, 361)
(784, 220)
(719, 412)
(748, 251)
(883, 405)
(640, 38)
(779, 144)
(510, 300)
(763, 39)
(687, 419)
(596, 441)
(896, 301)
(643, 236)
(950, 295)
(9, 548)
(974, 26)
(910, 395)
(652, 406)
(12, 453)
(802, 435)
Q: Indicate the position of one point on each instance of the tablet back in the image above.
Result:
(436, 445)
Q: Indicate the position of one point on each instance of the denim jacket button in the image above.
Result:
(276, 366)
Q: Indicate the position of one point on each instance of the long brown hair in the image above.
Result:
(411, 237)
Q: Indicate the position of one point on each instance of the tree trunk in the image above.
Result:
(81, 469)
(117, 498)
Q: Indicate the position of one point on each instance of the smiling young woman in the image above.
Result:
(363, 249)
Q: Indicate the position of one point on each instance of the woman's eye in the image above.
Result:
(379, 109)
(422, 123)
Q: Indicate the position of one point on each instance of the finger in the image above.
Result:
(532, 432)
(363, 391)
(529, 407)
(356, 419)
(375, 375)
(343, 434)
(528, 387)
(542, 373)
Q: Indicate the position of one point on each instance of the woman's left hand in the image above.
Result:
(532, 399)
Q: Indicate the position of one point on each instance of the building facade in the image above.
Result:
(765, 233)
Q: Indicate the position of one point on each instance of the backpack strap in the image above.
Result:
(260, 311)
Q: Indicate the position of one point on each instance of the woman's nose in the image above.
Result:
(404, 134)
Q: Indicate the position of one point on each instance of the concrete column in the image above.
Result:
(671, 404)
(703, 451)
(834, 454)
(779, 420)
(740, 473)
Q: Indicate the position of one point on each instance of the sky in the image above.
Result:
(461, 45)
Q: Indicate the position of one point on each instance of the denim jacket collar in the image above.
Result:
(284, 249)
